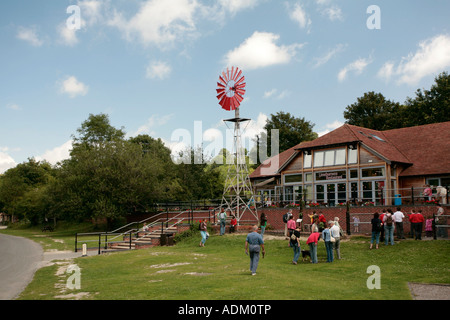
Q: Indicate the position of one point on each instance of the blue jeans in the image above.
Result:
(296, 249)
(375, 237)
(329, 249)
(313, 252)
(388, 233)
(262, 230)
(203, 233)
(222, 227)
(254, 257)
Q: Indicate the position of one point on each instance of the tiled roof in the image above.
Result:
(424, 149)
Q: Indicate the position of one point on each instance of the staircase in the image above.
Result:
(141, 239)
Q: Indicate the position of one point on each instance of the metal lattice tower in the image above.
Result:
(238, 193)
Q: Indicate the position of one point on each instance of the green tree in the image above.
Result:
(374, 111)
(22, 187)
(97, 130)
(429, 106)
(292, 131)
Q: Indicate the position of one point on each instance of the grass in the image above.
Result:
(219, 271)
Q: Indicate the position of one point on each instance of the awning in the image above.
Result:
(264, 182)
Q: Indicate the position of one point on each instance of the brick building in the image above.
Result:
(359, 165)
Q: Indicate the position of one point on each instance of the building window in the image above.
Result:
(329, 158)
(372, 172)
(354, 174)
(307, 160)
(352, 156)
(308, 177)
(318, 159)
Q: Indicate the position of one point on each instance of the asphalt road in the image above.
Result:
(19, 260)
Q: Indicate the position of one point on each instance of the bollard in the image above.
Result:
(84, 250)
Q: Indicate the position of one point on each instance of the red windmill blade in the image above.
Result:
(230, 89)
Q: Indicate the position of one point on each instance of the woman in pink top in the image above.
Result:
(291, 225)
(312, 242)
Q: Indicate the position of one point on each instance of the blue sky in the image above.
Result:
(152, 66)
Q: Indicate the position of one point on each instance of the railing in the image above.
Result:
(102, 240)
(356, 197)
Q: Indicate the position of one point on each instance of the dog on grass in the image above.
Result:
(305, 255)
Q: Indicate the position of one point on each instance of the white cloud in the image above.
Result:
(234, 6)
(333, 13)
(386, 71)
(14, 106)
(158, 70)
(57, 154)
(330, 127)
(152, 122)
(29, 35)
(356, 66)
(299, 15)
(6, 162)
(270, 93)
(330, 54)
(91, 11)
(261, 50)
(67, 36)
(73, 87)
(159, 22)
(432, 56)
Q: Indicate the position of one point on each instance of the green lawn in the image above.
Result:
(219, 271)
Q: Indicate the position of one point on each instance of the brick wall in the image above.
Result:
(275, 215)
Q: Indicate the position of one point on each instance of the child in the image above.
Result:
(233, 224)
(356, 224)
(429, 227)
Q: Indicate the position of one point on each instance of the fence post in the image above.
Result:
(99, 242)
(130, 237)
(433, 223)
(347, 219)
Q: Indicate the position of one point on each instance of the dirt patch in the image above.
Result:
(199, 274)
(421, 291)
(168, 265)
(74, 296)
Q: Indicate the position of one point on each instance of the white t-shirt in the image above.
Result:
(335, 231)
(398, 216)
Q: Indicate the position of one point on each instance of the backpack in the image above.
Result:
(293, 237)
(389, 220)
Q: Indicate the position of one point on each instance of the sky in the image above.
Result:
(153, 65)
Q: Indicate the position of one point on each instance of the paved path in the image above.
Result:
(19, 260)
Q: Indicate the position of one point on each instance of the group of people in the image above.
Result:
(384, 224)
(329, 231)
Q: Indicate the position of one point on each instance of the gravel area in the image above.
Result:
(420, 291)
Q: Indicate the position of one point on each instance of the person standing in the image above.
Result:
(388, 222)
(427, 193)
(286, 217)
(381, 217)
(419, 225)
(295, 244)
(291, 225)
(398, 217)
(376, 229)
(326, 235)
(253, 245)
(440, 220)
(233, 224)
(222, 220)
(263, 220)
(312, 241)
(203, 232)
(336, 232)
(412, 220)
